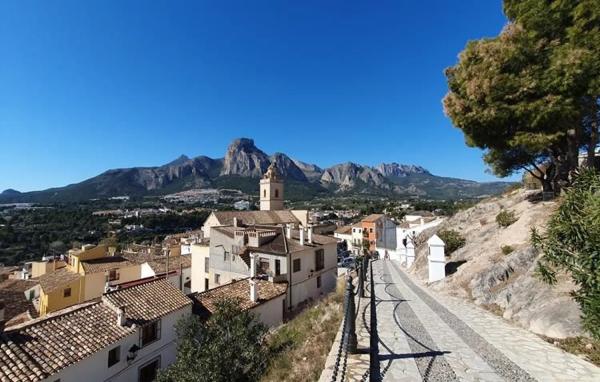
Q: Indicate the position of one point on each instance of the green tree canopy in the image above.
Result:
(530, 96)
(226, 347)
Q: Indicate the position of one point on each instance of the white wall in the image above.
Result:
(270, 313)
(197, 272)
(304, 283)
(95, 367)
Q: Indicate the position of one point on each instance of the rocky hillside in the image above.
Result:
(505, 283)
(244, 162)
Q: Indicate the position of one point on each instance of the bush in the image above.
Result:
(571, 244)
(452, 239)
(506, 218)
(507, 249)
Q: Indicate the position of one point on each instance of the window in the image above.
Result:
(318, 281)
(147, 373)
(264, 193)
(114, 356)
(264, 267)
(150, 333)
(319, 259)
(217, 279)
(67, 292)
(206, 264)
(371, 230)
(277, 267)
(276, 193)
(112, 275)
(296, 265)
(206, 284)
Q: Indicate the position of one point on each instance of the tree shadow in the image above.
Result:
(453, 266)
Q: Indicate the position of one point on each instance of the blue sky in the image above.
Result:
(90, 85)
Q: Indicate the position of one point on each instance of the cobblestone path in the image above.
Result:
(429, 337)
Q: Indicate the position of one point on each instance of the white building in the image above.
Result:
(126, 336)
(305, 262)
(357, 239)
(344, 234)
(266, 301)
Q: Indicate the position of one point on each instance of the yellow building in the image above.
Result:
(85, 277)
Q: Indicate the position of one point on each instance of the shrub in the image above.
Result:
(506, 218)
(571, 243)
(507, 249)
(452, 239)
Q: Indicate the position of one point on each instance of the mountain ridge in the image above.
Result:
(243, 159)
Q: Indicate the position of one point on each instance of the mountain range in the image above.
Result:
(244, 163)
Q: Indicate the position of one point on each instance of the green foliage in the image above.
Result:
(507, 249)
(452, 239)
(506, 218)
(572, 243)
(227, 347)
(530, 95)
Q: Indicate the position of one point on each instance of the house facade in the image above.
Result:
(305, 261)
(125, 336)
(380, 231)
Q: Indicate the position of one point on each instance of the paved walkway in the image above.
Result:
(424, 336)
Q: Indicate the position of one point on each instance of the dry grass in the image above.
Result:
(300, 347)
(581, 346)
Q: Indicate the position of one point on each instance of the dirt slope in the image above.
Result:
(502, 283)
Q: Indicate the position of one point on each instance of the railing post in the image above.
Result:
(374, 371)
(361, 280)
(351, 340)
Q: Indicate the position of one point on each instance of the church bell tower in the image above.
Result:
(271, 190)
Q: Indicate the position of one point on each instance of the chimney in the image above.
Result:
(422, 221)
(252, 265)
(235, 222)
(309, 238)
(121, 316)
(253, 290)
(288, 231)
(301, 235)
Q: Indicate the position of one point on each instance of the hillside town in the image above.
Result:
(311, 191)
(271, 261)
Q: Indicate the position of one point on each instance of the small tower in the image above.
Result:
(271, 190)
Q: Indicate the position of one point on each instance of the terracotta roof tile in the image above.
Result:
(104, 264)
(37, 350)
(54, 280)
(149, 301)
(256, 217)
(204, 302)
(372, 218)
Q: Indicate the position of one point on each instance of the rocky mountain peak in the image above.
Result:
(245, 159)
(396, 169)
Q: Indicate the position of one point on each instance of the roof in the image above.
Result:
(104, 264)
(52, 281)
(256, 217)
(279, 244)
(435, 240)
(372, 218)
(17, 309)
(159, 263)
(149, 301)
(43, 347)
(205, 302)
(344, 230)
